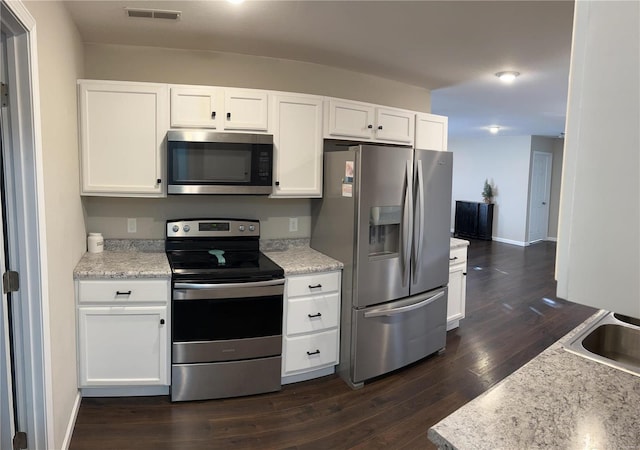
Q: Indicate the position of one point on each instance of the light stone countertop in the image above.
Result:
(558, 400)
(301, 260)
(144, 259)
(457, 243)
(122, 265)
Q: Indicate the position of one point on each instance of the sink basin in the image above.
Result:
(613, 340)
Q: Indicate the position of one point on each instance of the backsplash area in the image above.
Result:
(109, 215)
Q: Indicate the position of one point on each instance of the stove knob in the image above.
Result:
(252, 228)
(176, 228)
(241, 228)
(186, 228)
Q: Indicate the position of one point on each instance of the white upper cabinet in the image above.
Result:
(196, 107)
(219, 108)
(296, 125)
(394, 125)
(122, 130)
(245, 109)
(431, 132)
(598, 257)
(349, 119)
(367, 122)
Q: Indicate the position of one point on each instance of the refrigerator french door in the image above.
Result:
(390, 228)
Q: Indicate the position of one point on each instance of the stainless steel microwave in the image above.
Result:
(209, 162)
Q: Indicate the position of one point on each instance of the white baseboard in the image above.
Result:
(552, 239)
(72, 421)
(509, 241)
(308, 375)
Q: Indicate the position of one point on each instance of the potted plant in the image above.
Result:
(487, 192)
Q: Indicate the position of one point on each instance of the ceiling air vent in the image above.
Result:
(153, 13)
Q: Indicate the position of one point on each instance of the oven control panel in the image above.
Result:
(212, 228)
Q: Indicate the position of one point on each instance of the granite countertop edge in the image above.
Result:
(541, 405)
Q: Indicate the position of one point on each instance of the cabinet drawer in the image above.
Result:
(311, 351)
(458, 256)
(323, 283)
(314, 313)
(125, 291)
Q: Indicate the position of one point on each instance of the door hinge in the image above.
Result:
(4, 94)
(10, 281)
(20, 440)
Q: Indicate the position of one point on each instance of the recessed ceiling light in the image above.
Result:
(493, 129)
(507, 76)
(235, 2)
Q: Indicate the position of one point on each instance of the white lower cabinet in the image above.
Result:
(457, 287)
(311, 326)
(123, 335)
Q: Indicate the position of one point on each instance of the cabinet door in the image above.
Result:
(123, 346)
(196, 107)
(457, 294)
(122, 131)
(431, 132)
(297, 136)
(350, 119)
(395, 125)
(245, 109)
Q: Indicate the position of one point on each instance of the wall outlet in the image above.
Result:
(293, 224)
(132, 225)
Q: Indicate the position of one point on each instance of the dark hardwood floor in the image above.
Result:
(512, 315)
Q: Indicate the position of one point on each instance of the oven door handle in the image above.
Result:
(210, 291)
(250, 284)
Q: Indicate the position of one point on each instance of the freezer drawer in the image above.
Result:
(391, 336)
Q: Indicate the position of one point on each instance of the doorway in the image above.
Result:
(25, 375)
(540, 195)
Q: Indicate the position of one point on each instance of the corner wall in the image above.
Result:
(60, 63)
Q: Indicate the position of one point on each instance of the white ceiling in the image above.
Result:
(451, 47)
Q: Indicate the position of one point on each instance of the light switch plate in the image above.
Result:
(132, 225)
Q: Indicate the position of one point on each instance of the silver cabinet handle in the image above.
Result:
(404, 309)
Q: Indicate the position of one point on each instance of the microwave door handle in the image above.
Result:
(407, 223)
(403, 309)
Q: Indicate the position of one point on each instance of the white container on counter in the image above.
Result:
(95, 243)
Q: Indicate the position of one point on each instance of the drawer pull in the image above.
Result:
(317, 352)
(316, 286)
(123, 292)
(311, 316)
(453, 259)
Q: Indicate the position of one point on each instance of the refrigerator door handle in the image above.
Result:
(420, 240)
(403, 309)
(408, 223)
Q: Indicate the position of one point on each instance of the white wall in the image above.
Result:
(556, 183)
(121, 62)
(60, 63)
(505, 162)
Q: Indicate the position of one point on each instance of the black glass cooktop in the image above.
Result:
(225, 265)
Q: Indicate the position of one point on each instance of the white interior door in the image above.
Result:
(540, 193)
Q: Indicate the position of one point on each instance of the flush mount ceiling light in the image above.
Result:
(493, 129)
(507, 76)
(152, 13)
(235, 2)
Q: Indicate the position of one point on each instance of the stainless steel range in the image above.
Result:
(226, 310)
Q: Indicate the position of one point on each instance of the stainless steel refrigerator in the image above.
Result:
(385, 213)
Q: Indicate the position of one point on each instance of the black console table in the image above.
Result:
(473, 220)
